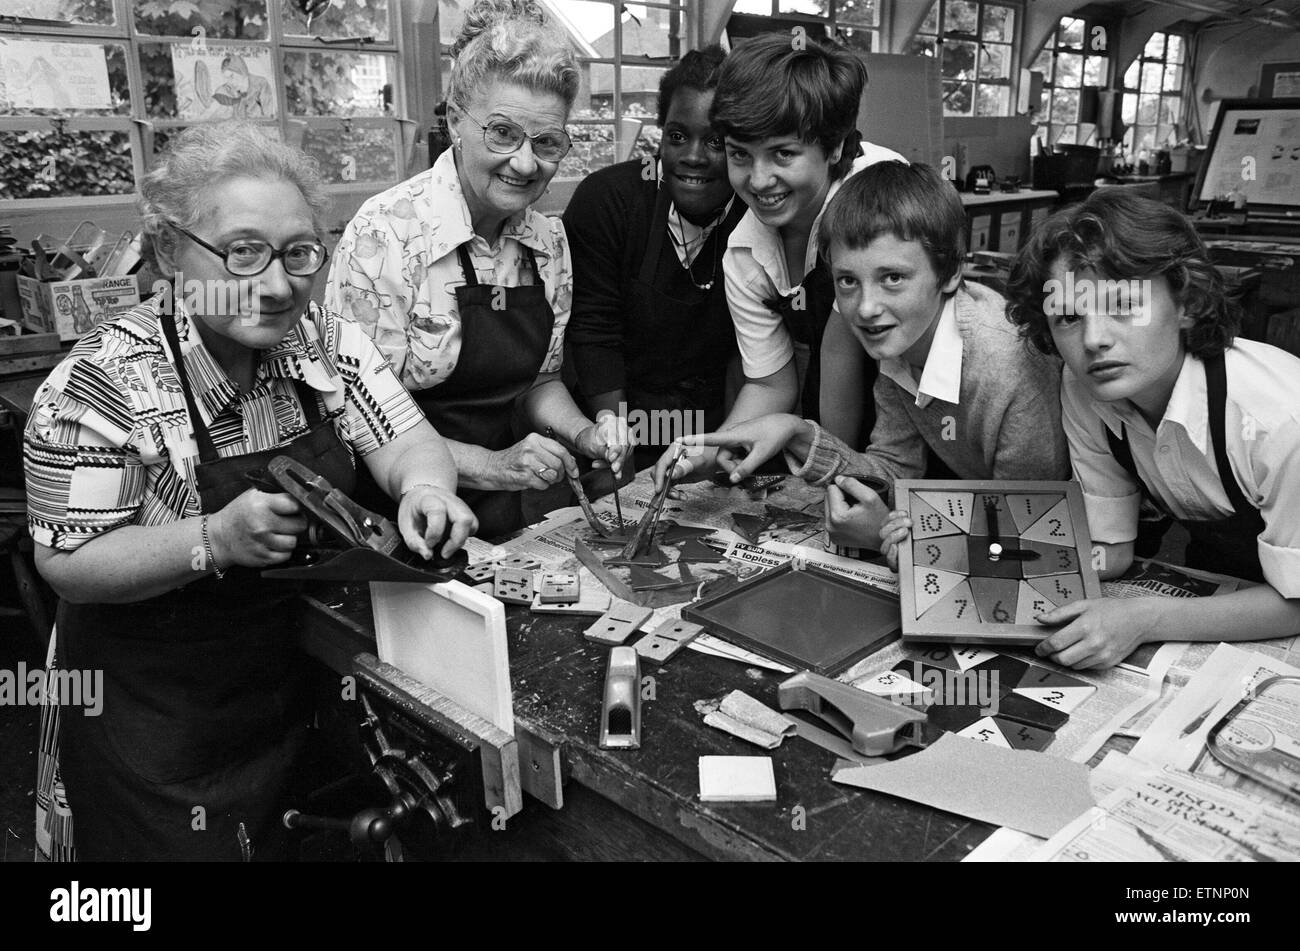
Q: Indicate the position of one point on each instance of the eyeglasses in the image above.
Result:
(250, 257)
(504, 137)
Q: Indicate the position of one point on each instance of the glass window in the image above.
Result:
(245, 20)
(340, 19)
(34, 79)
(40, 164)
(81, 12)
(1075, 67)
(1153, 85)
(975, 50)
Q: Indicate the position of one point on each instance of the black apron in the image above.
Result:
(204, 711)
(1225, 545)
(501, 353)
(700, 320)
(807, 325)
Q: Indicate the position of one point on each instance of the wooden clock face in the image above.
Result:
(985, 558)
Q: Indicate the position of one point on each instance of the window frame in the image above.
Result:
(939, 7)
(1055, 47)
(833, 22)
(142, 128)
(1132, 134)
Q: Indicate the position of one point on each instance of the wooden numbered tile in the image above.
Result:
(934, 680)
(932, 584)
(1027, 508)
(483, 571)
(948, 552)
(1022, 709)
(618, 623)
(1062, 589)
(928, 523)
(985, 730)
(1052, 560)
(979, 523)
(521, 562)
(952, 717)
(939, 655)
(1020, 736)
(996, 598)
(558, 587)
(1054, 689)
(897, 686)
(971, 657)
(1030, 602)
(592, 604)
(956, 507)
(1054, 528)
(957, 604)
(1008, 671)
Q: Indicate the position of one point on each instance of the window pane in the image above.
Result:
(999, 24)
(337, 84)
(68, 11)
(1065, 105)
(1145, 138)
(995, 63)
(1095, 69)
(960, 16)
(42, 78)
(40, 164)
(350, 18)
(864, 41)
(958, 98)
(922, 46)
(593, 148)
(931, 22)
(1065, 135)
(595, 92)
(590, 25)
(641, 91)
(245, 20)
(359, 155)
(993, 100)
(1128, 108)
(1174, 49)
(958, 60)
(1147, 108)
(1043, 64)
(810, 7)
(1155, 48)
(1173, 78)
(212, 81)
(659, 32)
(451, 14)
(1170, 110)
(1069, 70)
(857, 11)
(760, 7)
(1131, 75)
(1070, 32)
(1152, 77)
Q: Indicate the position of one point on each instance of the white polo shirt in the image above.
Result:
(754, 269)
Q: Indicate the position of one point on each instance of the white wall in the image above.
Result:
(1230, 58)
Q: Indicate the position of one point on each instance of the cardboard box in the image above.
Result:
(71, 308)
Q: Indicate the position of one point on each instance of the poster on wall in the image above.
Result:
(36, 74)
(224, 81)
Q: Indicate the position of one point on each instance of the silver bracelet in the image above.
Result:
(207, 550)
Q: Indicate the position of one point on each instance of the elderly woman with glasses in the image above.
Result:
(465, 289)
(139, 452)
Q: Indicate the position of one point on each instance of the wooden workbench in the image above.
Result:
(644, 804)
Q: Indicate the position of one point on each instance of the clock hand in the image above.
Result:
(995, 537)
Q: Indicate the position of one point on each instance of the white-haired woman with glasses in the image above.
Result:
(465, 289)
(138, 455)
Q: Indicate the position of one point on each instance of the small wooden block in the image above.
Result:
(617, 624)
(513, 586)
(483, 571)
(521, 562)
(559, 587)
(591, 605)
(666, 640)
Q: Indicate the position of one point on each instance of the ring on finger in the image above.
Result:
(543, 471)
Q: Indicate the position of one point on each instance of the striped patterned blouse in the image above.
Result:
(109, 442)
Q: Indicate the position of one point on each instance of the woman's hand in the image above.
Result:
(896, 530)
(257, 529)
(854, 514)
(534, 462)
(607, 441)
(427, 513)
(744, 446)
(1098, 632)
(697, 462)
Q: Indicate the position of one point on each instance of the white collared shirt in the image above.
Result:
(754, 269)
(941, 375)
(1176, 460)
(396, 270)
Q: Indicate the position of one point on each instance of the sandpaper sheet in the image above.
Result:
(1019, 789)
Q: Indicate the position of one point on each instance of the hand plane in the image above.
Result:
(875, 726)
(345, 541)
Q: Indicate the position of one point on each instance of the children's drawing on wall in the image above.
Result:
(224, 81)
(36, 74)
